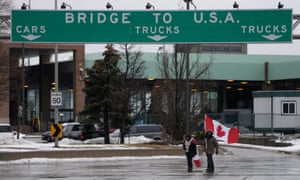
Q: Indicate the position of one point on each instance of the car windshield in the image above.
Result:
(77, 127)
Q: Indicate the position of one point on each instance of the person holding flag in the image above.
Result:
(215, 131)
(190, 147)
(210, 147)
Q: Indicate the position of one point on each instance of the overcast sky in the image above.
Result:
(287, 48)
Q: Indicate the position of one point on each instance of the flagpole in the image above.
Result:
(204, 124)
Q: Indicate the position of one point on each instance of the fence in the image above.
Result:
(265, 123)
(247, 122)
(244, 122)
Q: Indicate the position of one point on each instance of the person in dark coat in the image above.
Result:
(190, 147)
(210, 147)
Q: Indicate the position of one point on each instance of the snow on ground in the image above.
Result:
(71, 160)
(295, 148)
(10, 143)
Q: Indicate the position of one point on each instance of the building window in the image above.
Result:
(288, 107)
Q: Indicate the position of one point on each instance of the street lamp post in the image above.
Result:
(280, 5)
(149, 6)
(187, 88)
(187, 67)
(23, 90)
(109, 6)
(65, 5)
(56, 80)
(235, 5)
(22, 106)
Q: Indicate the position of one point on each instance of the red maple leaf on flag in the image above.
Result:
(220, 132)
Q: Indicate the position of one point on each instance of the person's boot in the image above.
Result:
(209, 170)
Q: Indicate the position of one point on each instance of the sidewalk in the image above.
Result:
(89, 153)
(133, 150)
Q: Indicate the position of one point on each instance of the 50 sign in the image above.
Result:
(56, 99)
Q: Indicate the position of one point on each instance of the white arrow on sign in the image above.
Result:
(31, 37)
(272, 37)
(157, 37)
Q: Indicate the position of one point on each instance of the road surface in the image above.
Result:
(239, 164)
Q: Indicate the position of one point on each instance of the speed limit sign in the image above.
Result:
(56, 99)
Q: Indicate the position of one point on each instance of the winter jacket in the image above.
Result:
(210, 144)
(190, 146)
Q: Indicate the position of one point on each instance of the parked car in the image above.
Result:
(154, 131)
(85, 131)
(115, 133)
(68, 128)
(4, 128)
(46, 136)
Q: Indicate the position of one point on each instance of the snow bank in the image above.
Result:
(71, 160)
(10, 143)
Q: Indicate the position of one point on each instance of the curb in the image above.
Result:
(9, 156)
(263, 149)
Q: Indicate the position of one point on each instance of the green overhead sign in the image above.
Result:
(199, 26)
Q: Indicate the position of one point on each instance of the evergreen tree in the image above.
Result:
(103, 89)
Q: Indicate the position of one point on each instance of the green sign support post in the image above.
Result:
(199, 26)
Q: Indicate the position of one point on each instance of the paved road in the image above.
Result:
(241, 164)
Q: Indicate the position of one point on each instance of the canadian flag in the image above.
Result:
(221, 132)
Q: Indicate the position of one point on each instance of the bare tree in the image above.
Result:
(133, 68)
(170, 98)
(5, 6)
(4, 75)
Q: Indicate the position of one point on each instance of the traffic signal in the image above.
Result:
(53, 86)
